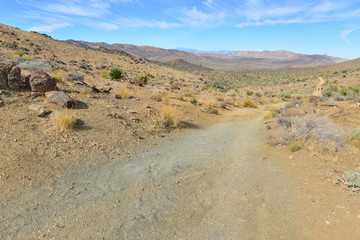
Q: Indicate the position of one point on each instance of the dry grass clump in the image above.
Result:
(303, 128)
(64, 121)
(123, 92)
(85, 92)
(248, 104)
(169, 116)
(166, 99)
(274, 112)
(209, 107)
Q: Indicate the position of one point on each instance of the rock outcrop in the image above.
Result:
(60, 98)
(40, 81)
(10, 77)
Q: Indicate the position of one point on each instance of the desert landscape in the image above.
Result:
(103, 141)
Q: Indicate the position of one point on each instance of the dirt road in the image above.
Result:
(213, 183)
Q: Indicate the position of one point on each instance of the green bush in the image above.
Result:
(286, 95)
(328, 93)
(345, 91)
(249, 93)
(116, 73)
(194, 101)
(294, 146)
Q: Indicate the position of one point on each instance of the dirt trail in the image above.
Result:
(318, 91)
(213, 183)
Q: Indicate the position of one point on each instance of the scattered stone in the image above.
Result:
(75, 77)
(60, 98)
(42, 111)
(2, 103)
(37, 94)
(40, 81)
(332, 104)
(132, 111)
(5, 93)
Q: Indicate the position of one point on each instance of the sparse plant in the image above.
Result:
(248, 104)
(223, 105)
(27, 58)
(166, 99)
(194, 101)
(116, 73)
(104, 74)
(294, 146)
(307, 127)
(249, 93)
(20, 53)
(258, 94)
(64, 121)
(210, 89)
(123, 92)
(209, 107)
(169, 116)
(34, 66)
(57, 79)
(85, 92)
(286, 95)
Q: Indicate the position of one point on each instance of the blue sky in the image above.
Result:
(312, 27)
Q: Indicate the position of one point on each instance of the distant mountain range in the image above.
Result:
(223, 60)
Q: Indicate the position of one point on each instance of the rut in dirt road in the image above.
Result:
(213, 183)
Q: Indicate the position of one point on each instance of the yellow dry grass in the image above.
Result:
(64, 121)
(123, 91)
(169, 116)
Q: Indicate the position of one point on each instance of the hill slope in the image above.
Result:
(222, 61)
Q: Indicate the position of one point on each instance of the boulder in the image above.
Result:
(41, 110)
(14, 78)
(40, 81)
(60, 98)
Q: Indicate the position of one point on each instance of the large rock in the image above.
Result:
(4, 70)
(14, 79)
(60, 98)
(40, 81)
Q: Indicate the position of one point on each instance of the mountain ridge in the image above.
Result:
(220, 60)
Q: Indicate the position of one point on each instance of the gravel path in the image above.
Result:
(213, 183)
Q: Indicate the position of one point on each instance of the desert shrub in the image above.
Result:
(209, 107)
(292, 105)
(27, 58)
(294, 146)
(258, 94)
(274, 112)
(20, 53)
(286, 95)
(64, 121)
(57, 79)
(85, 92)
(249, 93)
(115, 73)
(34, 66)
(339, 98)
(248, 104)
(302, 128)
(169, 116)
(104, 74)
(123, 92)
(210, 89)
(328, 93)
(345, 91)
(181, 98)
(355, 90)
(194, 101)
(165, 99)
(144, 77)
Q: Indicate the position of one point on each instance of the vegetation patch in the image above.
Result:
(248, 104)
(64, 121)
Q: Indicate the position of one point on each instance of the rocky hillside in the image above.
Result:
(220, 60)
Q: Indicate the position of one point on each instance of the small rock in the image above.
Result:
(42, 111)
(60, 98)
(5, 93)
(132, 111)
(2, 103)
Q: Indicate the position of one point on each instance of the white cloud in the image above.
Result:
(197, 18)
(107, 26)
(49, 28)
(345, 34)
(132, 22)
